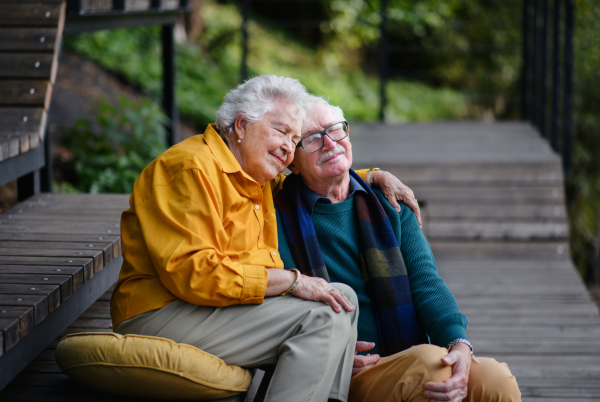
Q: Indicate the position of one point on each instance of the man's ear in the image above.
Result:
(239, 126)
(293, 168)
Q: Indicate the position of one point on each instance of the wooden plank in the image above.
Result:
(457, 230)
(25, 93)
(52, 292)
(11, 331)
(92, 323)
(38, 302)
(467, 250)
(47, 274)
(518, 212)
(490, 195)
(25, 314)
(106, 248)
(41, 13)
(10, 145)
(96, 255)
(27, 39)
(86, 263)
(26, 65)
(63, 281)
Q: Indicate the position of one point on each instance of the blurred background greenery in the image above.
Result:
(449, 59)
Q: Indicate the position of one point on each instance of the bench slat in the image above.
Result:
(25, 314)
(42, 13)
(45, 273)
(10, 145)
(25, 93)
(39, 304)
(27, 39)
(86, 263)
(26, 65)
(52, 292)
(106, 248)
(11, 329)
(34, 280)
(97, 255)
(21, 119)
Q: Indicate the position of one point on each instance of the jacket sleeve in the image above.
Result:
(182, 226)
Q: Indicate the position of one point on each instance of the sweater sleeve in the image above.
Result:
(436, 306)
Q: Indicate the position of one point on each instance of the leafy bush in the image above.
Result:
(111, 151)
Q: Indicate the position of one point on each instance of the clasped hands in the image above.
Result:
(453, 389)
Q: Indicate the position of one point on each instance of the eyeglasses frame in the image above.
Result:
(323, 134)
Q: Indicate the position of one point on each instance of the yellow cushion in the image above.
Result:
(148, 367)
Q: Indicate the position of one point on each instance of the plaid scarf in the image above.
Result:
(381, 262)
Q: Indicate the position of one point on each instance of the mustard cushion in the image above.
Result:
(148, 367)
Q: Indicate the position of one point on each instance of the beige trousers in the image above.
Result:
(401, 378)
(311, 345)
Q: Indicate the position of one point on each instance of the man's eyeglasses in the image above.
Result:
(314, 142)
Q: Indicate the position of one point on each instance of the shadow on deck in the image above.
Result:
(495, 217)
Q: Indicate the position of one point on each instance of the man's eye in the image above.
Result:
(311, 140)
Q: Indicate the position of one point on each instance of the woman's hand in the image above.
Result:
(393, 189)
(317, 289)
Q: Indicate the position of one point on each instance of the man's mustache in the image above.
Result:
(335, 151)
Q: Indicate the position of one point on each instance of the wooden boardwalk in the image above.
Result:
(495, 217)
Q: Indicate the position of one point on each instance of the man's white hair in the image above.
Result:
(316, 101)
(256, 97)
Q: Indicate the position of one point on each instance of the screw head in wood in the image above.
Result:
(48, 14)
(43, 39)
(37, 64)
(32, 91)
(25, 118)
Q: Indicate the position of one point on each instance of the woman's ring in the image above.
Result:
(332, 291)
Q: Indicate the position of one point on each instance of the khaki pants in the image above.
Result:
(401, 378)
(312, 345)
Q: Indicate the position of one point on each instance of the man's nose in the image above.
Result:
(328, 143)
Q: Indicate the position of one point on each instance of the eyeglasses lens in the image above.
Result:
(314, 142)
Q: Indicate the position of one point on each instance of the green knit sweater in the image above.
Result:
(336, 226)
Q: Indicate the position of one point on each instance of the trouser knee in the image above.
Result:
(426, 362)
(492, 381)
(348, 292)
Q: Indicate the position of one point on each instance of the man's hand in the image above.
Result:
(318, 289)
(393, 189)
(362, 362)
(455, 388)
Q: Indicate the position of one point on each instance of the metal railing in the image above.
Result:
(535, 77)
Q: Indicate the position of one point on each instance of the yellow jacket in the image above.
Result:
(198, 229)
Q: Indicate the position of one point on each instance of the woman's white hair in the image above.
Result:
(258, 96)
(314, 101)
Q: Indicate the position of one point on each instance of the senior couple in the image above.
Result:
(224, 253)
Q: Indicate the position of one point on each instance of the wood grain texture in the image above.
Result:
(34, 39)
(40, 13)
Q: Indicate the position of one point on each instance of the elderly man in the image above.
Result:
(338, 229)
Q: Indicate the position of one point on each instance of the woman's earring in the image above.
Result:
(239, 141)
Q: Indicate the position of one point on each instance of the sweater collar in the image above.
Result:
(310, 198)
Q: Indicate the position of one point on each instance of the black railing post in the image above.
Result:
(118, 5)
(534, 101)
(383, 61)
(47, 171)
(169, 104)
(555, 73)
(568, 112)
(73, 7)
(543, 74)
(245, 17)
(525, 60)
(28, 185)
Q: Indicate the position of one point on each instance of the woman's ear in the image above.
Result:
(239, 126)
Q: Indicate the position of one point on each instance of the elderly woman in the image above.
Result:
(201, 254)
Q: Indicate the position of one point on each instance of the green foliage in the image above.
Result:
(112, 150)
(209, 68)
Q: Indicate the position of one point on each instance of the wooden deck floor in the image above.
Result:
(495, 217)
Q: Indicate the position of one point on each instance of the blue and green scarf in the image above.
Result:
(381, 262)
